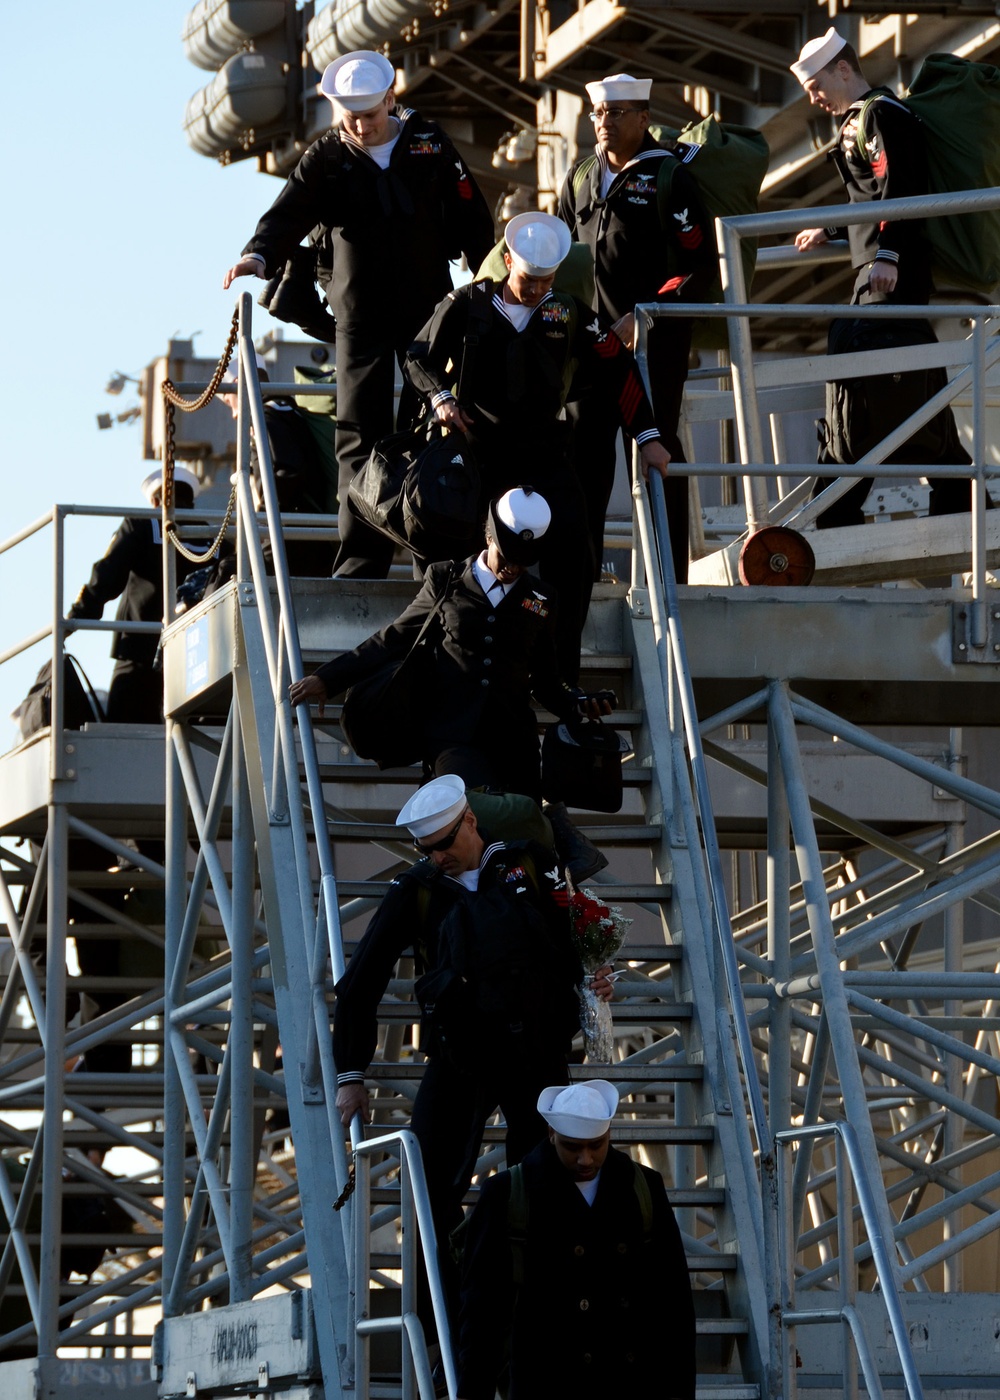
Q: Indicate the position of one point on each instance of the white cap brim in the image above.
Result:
(182, 477)
(434, 806)
(358, 81)
(579, 1110)
(524, 510)
(818, 54)
(537, 243)
(620, 87)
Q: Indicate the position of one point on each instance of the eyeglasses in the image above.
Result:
(611, 114)
(446, 841)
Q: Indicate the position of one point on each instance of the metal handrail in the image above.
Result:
(662, 573)
(700, 832)
(847, 1146)
(415, 1211)
(285, 652)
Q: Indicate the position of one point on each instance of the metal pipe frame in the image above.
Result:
(417, 1233)
(834, 1070)
(850, 1168)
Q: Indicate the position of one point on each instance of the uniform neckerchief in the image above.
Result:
(604, 165)
(356, 145)
(504, 307)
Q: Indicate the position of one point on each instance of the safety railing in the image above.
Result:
(264, 597)
(771, 387)
(695, 809)
(279, 748)
(419, 1245)
(908, 1065)
(849, 1170)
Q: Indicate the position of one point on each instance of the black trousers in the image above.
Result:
(449, 1116)
(366, 372)
(595, 427)
(949, 495)
(135, 695)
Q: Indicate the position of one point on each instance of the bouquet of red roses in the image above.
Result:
(598, 931)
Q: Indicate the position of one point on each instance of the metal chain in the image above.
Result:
(171, 400)
(348, 1190)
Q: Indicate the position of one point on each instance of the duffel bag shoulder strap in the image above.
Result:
(439, 603)
(480, 316)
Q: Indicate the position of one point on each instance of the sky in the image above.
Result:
(115, 238)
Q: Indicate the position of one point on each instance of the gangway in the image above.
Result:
(735, 1025)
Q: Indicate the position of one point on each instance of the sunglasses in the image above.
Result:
(444, 844)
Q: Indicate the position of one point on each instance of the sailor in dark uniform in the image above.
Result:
(574, 1278)
(132, 569)
(506, 390)
(496, 648)
(638, 208)
(398, 203)
(880, 154)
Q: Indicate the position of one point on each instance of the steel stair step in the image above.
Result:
(608, 834)
(625, 1013)
(650, 1075)
(345, 770)
(611, 893)
(620, 719)
(713, 1390)
(720, 1389)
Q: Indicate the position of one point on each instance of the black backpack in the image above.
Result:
(500, 981)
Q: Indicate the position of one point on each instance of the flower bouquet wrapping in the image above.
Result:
(598, 932)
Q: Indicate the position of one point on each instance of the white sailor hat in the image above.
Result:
(358, 81)
(620, 87)
(537, 242)
(818, 54)
(182, 477)
(434, 806)
(581, 1110)
(517, 520)
(232, 369)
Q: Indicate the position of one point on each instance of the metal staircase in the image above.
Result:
(755, 1013)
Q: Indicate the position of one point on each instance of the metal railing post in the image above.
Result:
(50, 1251)
(978, 630)
(748, 423)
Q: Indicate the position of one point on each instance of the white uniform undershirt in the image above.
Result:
(588, 1189)
(516, 314)
(381, 154)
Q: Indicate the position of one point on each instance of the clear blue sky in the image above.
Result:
(115, 236)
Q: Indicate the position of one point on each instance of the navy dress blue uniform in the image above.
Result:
(458, 1095)
(515, 393)
(391, 234)
(891, 163)
(493, 654)
(604, 1306)
(132, 568)
(652, 241)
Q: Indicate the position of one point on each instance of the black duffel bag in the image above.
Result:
(80, 703)
(383, 715)
(421, 489)
(582, 765)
